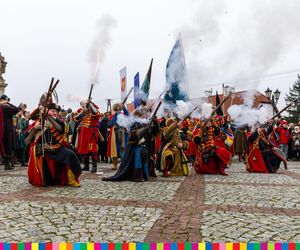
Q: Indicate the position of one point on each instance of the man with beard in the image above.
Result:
(7, 131)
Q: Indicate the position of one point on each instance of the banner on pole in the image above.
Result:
(123, 78)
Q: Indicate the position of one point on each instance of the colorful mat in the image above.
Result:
(150, 246)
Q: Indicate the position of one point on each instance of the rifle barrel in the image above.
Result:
(123, 102)
(220, 104)
(155, 112)
(91, 90)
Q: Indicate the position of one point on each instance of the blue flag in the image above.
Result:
(176, 75)
(136, 90)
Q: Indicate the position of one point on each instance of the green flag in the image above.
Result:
(146, 85)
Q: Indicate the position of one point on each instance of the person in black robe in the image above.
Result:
(7, 131)
(135, 164)
(103, 129)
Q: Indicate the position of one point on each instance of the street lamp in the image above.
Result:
(273, 98)
(268, 93)
(276, 95)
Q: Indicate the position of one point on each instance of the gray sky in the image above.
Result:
(224, 41)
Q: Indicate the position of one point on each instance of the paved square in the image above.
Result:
(146, 191)
(238, 207)
(32, 221)
(229, 226)
(274, 197)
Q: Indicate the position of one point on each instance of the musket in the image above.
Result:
(91, 90)
(220, 104)
(44, 114)
(186, 117)
(213, 112)
(45, 111)
(284, 109)
(151, 106)
(46, 101)
(157, 108)
(124, 101)
(189, 114)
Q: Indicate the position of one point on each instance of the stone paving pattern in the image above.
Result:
(238, 207)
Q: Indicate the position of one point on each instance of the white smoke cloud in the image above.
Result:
(237, 40)
(126, 121)
(100, 44)
(246, 115)
(207, 109)
(74, 98)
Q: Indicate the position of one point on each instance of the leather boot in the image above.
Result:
(7, 164)
(23, 162)
(94, 168)
(86, 164)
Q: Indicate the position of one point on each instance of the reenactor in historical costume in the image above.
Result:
(7, 131)
(52, 161)
(118, 135)
(135, 163)
(262, 156)
(88, 134)
(22, 127)
(171, 159)
(103, 129)
(211, 158)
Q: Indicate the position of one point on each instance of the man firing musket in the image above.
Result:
(118, 135)
(52, 161)
(212, 156)
(262, 156)
(88, 132)
(171, 158)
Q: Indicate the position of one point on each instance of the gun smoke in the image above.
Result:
(100, 45)
(232, 41)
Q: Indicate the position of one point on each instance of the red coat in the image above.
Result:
(88, 134)
(255, 162)
(284, 135)
(212, 166)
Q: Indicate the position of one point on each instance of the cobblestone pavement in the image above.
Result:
(238, 207)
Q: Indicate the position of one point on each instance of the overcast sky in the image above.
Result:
(224, 41)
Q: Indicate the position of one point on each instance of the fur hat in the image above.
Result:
(54, 106)
(116, 107)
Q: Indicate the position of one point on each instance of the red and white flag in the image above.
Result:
(123, 78)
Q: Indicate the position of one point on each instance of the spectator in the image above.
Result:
(284, 136)
(296, 142)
